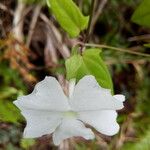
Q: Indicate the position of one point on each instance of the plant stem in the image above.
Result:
(115, 48)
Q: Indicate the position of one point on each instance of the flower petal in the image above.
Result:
(40, 123)
(103, 121)
(119, 97)
(70, 128)
(47, 95)
(88, 95)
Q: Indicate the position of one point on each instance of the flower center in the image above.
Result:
(70, 114)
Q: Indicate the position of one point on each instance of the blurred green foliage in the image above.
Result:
(10, 88)
(27, 143)
(142, 144)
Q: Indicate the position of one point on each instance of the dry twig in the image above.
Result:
(63, 49)
(98, 12)
(33, 23)
(18, 21)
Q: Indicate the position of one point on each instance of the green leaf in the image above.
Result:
(69, 16)
(141, 15)
(90, 63)
(75, 50)
(72, 65)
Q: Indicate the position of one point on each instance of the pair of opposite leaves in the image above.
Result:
(48, 110)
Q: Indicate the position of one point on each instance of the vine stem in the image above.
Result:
(115, 48)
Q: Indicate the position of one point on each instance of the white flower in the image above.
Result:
(48, 110)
